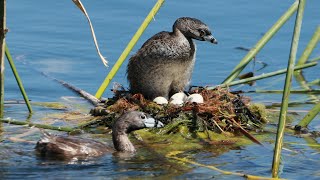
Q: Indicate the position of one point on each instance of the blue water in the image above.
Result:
(53, 37)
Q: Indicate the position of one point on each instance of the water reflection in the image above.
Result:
(24, 163)
(19, 160)
(53, 37)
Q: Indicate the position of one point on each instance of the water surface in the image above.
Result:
(53, 37)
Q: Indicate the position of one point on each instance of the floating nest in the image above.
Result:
(222, 111)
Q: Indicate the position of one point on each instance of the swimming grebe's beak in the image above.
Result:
(151, 122)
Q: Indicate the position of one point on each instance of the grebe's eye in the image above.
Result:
(143, 116)
(202, 33)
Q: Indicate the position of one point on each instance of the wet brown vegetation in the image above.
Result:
(222, 111)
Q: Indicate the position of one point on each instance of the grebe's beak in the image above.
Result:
(211, 39)
(151, 122)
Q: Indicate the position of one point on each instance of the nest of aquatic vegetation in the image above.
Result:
(221, 111)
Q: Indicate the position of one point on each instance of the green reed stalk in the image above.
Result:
(263, 76)
(303, 59)
(310, 116)
(310, 47)
(260, 44)
(315, 59)
(286, 92)
(16, 75)
(129, 47)
(314, 82)
(2, 45)
(304, 85)
(298, 91)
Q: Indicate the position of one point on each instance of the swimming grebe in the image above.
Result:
(68, 147)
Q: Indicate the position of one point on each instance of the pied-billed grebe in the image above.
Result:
(164, 64)
(69, 147)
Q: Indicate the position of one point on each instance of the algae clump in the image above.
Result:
(52, 105)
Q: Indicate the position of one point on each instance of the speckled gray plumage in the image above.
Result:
(164, 63)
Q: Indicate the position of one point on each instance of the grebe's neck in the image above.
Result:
(121, 142)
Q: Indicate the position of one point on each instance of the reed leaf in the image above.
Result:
(263, 76)
(303, 59)
(129, 47)
(310, 116)
(286, 91)
(2, 49)
(314, 83)
(260, 44)
(315, 59)
(79, 4)
(298, 91)
(310, 47)
(304, 84)
(16, 75)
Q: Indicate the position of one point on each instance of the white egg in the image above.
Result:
(197, 98)
(178, 102)
(179, 96)
(160, 100)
